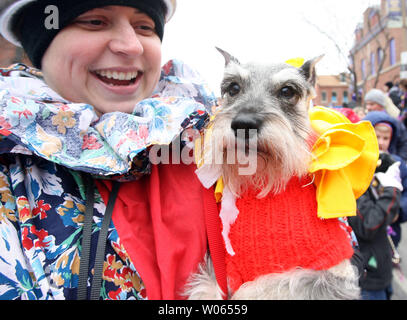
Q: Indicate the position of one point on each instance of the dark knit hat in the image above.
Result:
(35, 37)
(389, 84)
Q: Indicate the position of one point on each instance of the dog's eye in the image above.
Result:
(233, 89)
(288, 93)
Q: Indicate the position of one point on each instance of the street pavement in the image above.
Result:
(400, 275)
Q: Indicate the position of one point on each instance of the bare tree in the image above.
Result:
(383, 47)
(346, 56)
(349, 55)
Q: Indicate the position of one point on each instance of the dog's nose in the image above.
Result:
(251, 124)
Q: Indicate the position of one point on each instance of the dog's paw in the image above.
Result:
(203, 285)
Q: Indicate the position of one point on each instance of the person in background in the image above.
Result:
(377, 208)
(386, 132)
(348, 113)
(394, 93)
(403, 90)
(376, 100)
(381, 210)
(403, 104)
(360, 112)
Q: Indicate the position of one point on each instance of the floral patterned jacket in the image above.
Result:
(46, 143)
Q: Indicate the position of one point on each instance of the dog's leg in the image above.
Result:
(203, 285)
(337, 283)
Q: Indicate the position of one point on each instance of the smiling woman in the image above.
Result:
(120, 42)
(84, 214)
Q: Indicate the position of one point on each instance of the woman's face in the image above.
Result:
(108, 57)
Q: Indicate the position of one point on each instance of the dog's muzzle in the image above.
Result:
(250, 123)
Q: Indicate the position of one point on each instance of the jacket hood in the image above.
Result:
(376, 117)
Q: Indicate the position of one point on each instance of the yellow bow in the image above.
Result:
(344, 161)
(296, 62)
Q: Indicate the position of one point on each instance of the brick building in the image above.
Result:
(372, 46)
(332, 91)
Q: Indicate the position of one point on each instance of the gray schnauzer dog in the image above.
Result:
(264, 117)
(267, 106)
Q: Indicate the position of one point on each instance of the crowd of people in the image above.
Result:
(383, 208)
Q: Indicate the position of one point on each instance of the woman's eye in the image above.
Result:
(91, 23)
(145, 29)
(96, 22)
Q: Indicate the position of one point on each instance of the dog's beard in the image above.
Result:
(280, 153)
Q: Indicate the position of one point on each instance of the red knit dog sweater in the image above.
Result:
(282, 232)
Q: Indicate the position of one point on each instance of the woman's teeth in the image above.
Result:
(118, 75)
(116, 78)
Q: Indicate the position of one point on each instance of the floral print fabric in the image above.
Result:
(71, 134)
(46, 144)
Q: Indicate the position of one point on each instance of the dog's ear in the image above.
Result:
(308, 70)
(228, 57)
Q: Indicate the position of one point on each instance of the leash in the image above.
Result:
(215, 240)
(212, 221)
(96, 281)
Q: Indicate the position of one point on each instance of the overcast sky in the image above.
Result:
(260, 30)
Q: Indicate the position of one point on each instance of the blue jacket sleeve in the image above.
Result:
(403, 200)
(402, 141)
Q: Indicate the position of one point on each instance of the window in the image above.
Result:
(392, 52)
(324, 96)
(363, 65)
(334, 97)
(394, 8)
(379, 56)
(373, 17)
(345, 97)
(372, 64)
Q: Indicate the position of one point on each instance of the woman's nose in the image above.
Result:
(125, 41)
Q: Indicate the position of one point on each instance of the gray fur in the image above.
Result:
(283, 122)
(255, 95)
(337, 283)
(301, 284)
(203, 285)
